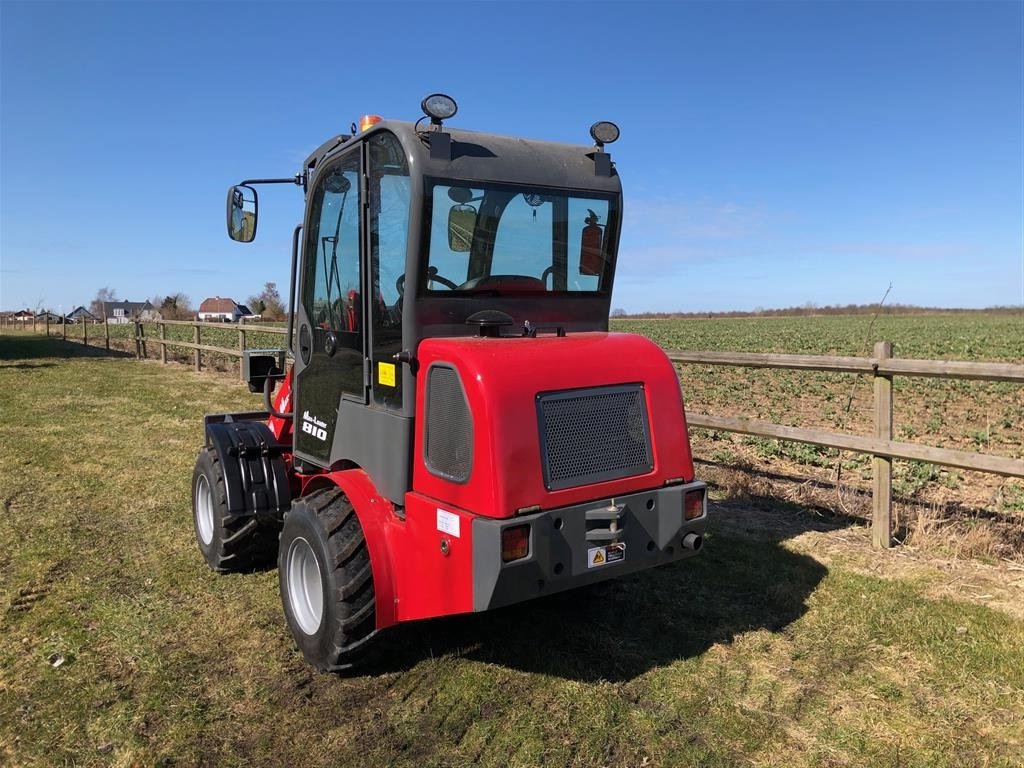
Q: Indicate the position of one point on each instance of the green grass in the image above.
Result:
(995, 336)
(753, 653)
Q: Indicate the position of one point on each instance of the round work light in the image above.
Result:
(438, 107)
(604, 133)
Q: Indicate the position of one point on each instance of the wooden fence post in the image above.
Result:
(142, 336)
(881, 484)
(241, 350)
(64, 327)
(85, 332)
(195, 337)
(33, 323)
(47, 324)
(163, 343)
(106, 334)
(138, 342)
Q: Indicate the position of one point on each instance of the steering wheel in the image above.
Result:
(432, 277)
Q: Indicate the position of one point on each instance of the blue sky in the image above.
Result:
(771, 154)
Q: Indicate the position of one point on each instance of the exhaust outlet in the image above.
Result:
(693, 541)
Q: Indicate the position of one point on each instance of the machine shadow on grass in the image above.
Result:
(29, 347)
(620, 629)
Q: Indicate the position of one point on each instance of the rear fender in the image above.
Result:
(379, 523)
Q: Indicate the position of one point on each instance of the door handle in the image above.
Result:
(305, 343)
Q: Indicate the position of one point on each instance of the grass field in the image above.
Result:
(965, 513)
(787, 642)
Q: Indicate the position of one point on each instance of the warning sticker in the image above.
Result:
(613, 553)
(386, 374)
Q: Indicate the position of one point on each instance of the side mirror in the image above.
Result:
(243, 206)
(591, 247)
(461, 224)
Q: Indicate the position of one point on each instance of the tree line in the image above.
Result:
(178, 306)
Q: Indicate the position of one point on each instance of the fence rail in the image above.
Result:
(196, 344)
(881, 366)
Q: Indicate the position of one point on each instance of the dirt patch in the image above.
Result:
(840, 541)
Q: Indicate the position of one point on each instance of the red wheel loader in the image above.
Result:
(458, 430)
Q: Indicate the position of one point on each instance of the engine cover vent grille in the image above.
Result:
(448, 440)
(593, 435)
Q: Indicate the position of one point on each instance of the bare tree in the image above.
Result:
(176, 306)
(268, 303)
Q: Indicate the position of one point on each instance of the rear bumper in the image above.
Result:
(649, 524)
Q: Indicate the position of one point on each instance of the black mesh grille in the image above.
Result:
(592, 435)
(449, 435)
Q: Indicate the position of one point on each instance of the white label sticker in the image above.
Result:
(448, 523)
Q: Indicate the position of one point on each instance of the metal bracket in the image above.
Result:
(614, 515)
(440, 145)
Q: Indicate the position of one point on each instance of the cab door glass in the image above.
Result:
(389, 199)
(332, 271)
(334, 238)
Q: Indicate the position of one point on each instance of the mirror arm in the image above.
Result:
(297, 180)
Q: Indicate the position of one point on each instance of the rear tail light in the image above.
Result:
(693, 504)
(515, 543)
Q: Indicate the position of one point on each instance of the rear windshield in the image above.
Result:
(501, 239)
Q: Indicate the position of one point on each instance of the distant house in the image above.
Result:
(81, 315)
(218, 309)
(118, 312)
(24, 314)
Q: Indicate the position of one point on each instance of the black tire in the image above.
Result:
(330, 608)
(227, 542)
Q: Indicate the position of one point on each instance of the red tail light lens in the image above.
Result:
(515, 543)
(693, 504)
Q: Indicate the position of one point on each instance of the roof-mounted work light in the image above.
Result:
(604, 132)
(438, 107)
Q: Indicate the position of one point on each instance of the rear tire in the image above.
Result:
(227, 542)
(326, 580)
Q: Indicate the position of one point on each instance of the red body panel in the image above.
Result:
(502, 378)
(428, 581)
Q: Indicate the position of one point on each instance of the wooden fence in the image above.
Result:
(196, 344)
(882, 367)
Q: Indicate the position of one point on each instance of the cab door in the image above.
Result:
(330, 341)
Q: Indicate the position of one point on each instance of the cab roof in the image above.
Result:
(491, 157)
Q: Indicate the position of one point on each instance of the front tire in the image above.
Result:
(326, 580)
(228, 542)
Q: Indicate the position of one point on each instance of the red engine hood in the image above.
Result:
(502, 378)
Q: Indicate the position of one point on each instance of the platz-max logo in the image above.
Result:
(311, 425)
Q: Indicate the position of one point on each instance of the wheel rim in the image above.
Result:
(305, 590)
(204, 510)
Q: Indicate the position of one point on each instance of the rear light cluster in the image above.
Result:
(693, 504)
(515, 543)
